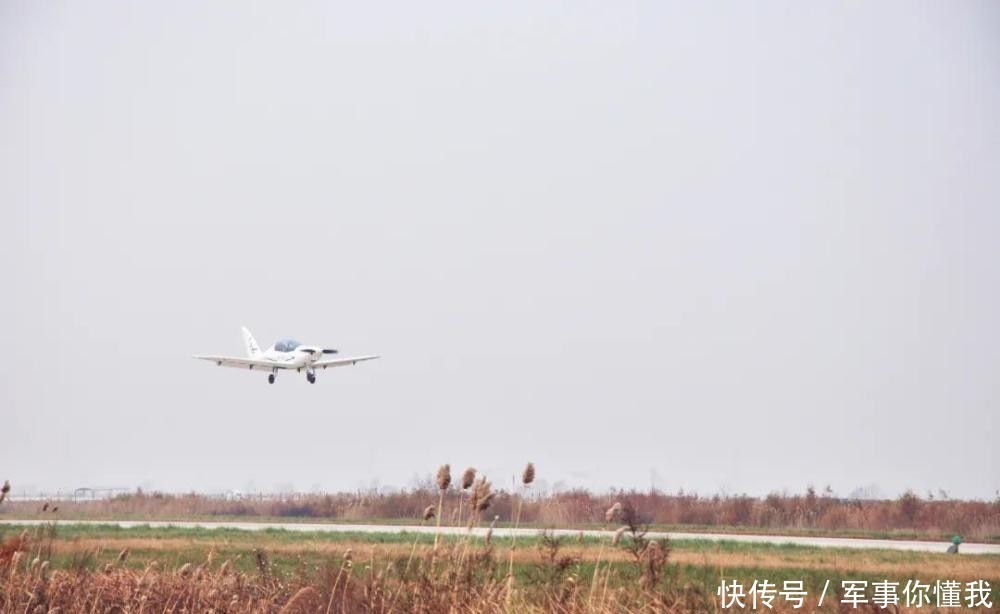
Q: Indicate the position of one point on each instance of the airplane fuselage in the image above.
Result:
(299, 358)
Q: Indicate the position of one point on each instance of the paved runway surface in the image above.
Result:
(818, 542)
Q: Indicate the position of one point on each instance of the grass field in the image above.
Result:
(268, 567)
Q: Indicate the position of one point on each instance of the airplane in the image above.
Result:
(285, 354)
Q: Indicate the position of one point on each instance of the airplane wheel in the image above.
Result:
(311, 378)
(270, 378)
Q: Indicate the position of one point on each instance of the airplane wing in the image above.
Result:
(243, 363)
(341, 362)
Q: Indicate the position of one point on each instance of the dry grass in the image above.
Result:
(365, 577)
(41, 572)
(812, 513)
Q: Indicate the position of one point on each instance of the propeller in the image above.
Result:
(303, 348)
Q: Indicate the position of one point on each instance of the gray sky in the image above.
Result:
(723, 246)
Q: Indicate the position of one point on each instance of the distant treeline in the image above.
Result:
(908, 514)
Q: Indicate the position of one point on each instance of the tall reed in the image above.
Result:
(443, 481)
(527, 477)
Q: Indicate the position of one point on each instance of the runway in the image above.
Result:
(815, 542)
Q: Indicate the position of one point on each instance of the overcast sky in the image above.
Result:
(725, 247)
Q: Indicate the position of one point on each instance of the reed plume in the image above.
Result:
(444, 477)
(529, 474)
(485, 502)
(481, 496)
(468, 477)
(614, 512)
(429, 512)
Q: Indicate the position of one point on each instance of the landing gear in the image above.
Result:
(311, 377)
(270, 378)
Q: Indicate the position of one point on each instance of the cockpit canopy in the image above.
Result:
(286, 345)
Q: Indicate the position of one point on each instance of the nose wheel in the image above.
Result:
(270, 378)
(311, 377)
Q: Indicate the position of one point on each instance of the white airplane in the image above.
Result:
(285, 354)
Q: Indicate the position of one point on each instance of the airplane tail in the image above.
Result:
(253, 350)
